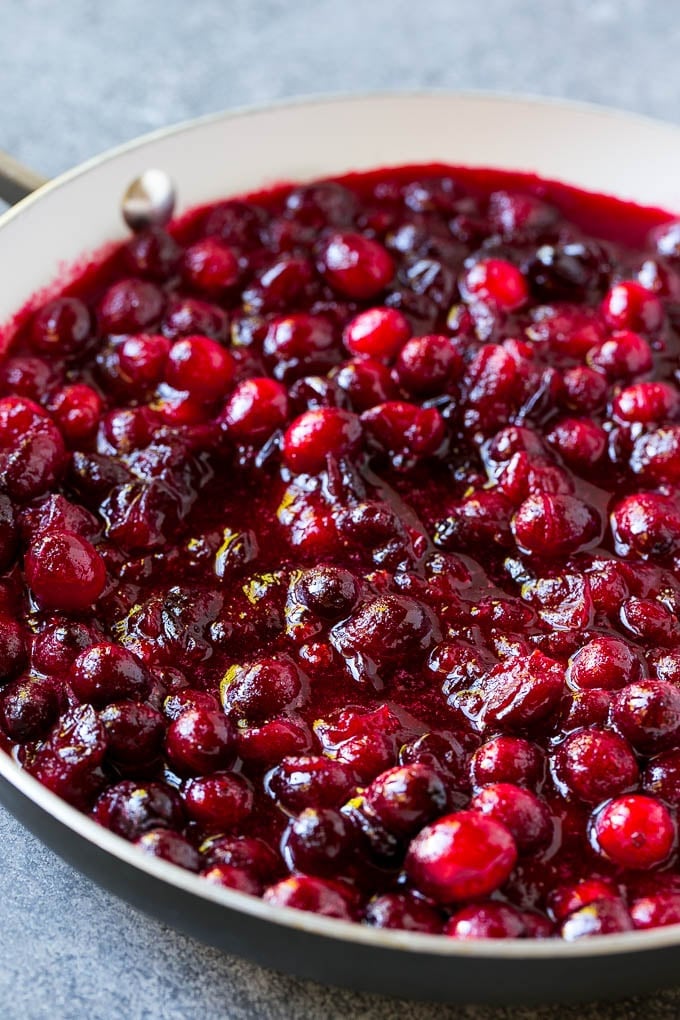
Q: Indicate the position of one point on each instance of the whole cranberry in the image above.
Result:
(656, 911)
(367, 755)
(646, 523)
(303, 781)
(629, 305)
(554, 525)
(63, 326)
(651, 620)
(647, 402)
(246, 852)
(152, 254)
(229, 877)
(327, 591)
(143, 357)
(518, 216)
(134, 732)
(256, 408)
(299, 339)
(28, 708)
(18, 415)
(26, 376)
(377, 333)
(286, 282)
(64, 571)
(404, 430)
(130, 809)
(130, 306)
(480, 518)
(261, 689)
(169, 846)
(568, 269)
(568, 898)
(656, 456)
(507, 759)
(592, 765)
(210, 266)
(316, 434)
(8, 533)
(622, 356)
(497, 282)
(265, 744)
(318, 842)
(366, 382)
(218, 802)
(661, 777)
(486, 920)
(647, 713)
(200, 366)
(406, 798)
(524, 814)
(55, 648)
(200, 741)
(318, 895)
(235, 222)
(35, 462)
(428, 364)
(68, 762)
(403, 911)
(635, 832)
(12, 648)
(77, 410)
(583, 389)
(355, 266)
(387, 629)
(460, 857)
(192, 317)
(579, 441)
(602, 917)
(107, 672)
(606, 662)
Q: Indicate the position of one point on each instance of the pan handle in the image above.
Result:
(16, 180)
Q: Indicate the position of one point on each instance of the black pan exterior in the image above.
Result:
(370, 968)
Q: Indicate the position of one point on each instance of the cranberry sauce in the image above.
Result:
(340, 534)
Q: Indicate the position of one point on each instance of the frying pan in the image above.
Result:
(210, 158)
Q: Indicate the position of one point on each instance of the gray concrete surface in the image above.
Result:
(77, 77)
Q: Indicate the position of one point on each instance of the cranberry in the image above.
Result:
(318, 842)
(507, 760)
(284, 283)
(399, 428)
(35, 462)
(143, 357)
(460, 857)
(606, 662)
(325, 202)
(568, 269)
(629, 305)
(634, 832)
(62, 327)
(69, 761)
(28, 708)
(12, 648)
(19, 415)
(318, 895)
(210, 266)
(647, 402)
(648, 619)
(406, 798)
(8, 533)
(134, 732)
(554, 525)
(647, 713)
(656, 456)
(497, 282)
(246, 852)
(316, 434)
(583, 389)
(235, 222)
(229, 877)
(108, 672)
(218, 802)
(622, 356)
(579, 441)
(366, 382)
(191, 317)
(567, 899)
(647, 524)
(169, 846)
(377, 333)
(593, 764)
(656, 911)
(130, 306)
(603, 917)
(256, 408)
(261, 689)
(56, 647)
(200, 366)
(403, 911)
(200, 741)
(525, 816)
(130, 809)
(427, 364)
(490, 920)
(328, 592)
(152, 254)
(662, 777)
(386, 629)
(296, 340)
(518, 693)
(64, 571)
(77, 410)
(29, 377)
(356, 266)
(519, 216)
(310, 781)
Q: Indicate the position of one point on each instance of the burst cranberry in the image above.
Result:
(28, 708)
(656, 911)
(603, 917)
(247, 852)
(8, 533)
(210, 266)
(650, 620)
(77, 410)
(310, 781)
(554, 525)
(261, 689)
(606, 662)
(318, 842)
(507, 760)
(62, 326)
(403, 911)
(300, 338)
(377, 333)
(356, 266)
(406, 798)
(635, 832)
(191, 317)
(130, 809)
(200, 741)
(525, 816)
(647, 713)
(169, 846)
(318, 895)
(200, 366)
(218, 802)
(134, 732)
(255, 409)
(142, 358)
(489, 920)
(497, 282)
(629, 305)
(622, 356)
(593, 764)
(64, 571)
(316, 434)
(130, 306)
(366, 382)
(647, 402)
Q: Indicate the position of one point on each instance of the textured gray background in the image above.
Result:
(77, 77)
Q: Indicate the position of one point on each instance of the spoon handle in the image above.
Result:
(16, 180)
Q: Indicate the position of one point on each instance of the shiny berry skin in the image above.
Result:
(200, 366)
(355, 266)
(210, 266)
(193, 317)
(377, 333)
(403, 429)
(77, 410)
(130, 809)
(218, 802)
(256, 408)
(143, 357)
(303, 781)
(554, 525)
(328, 592)
(496, 281)
(65, 572)
(460, 857)
(629, 305)
(647, 714)
(130, 306)
(318, 842)
(647, 402)
(525, 816)
(134, 732)
(8, 532)
(661, 777)
(567, 899)
(55, 648)
(12, 648)
(622, 356)
(583, 389)
(656, 911)
(406, 798)
(152, 254)
(404, 912)
(306, 892)
(28, 708)
(602, 917)
(580, 442)
(261, 689)
(169, 846)
(606, 662)
(200, 741)
(635, 832)
(107, 672)
(229, 877)
(428, 364)
(592, 765)
(507, 759)
(366, 382)
(62, 327)
(647, 524)
(491, 920)
(316, 434)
